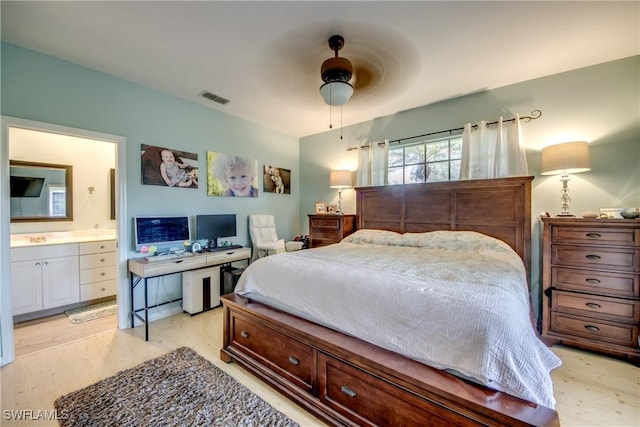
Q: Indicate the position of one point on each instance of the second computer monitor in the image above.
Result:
(214, 227)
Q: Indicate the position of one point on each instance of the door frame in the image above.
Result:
(7, 347)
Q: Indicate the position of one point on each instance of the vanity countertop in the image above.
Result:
(60, 237)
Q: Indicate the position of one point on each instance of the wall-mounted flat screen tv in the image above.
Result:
(25, 186)
(165, 232)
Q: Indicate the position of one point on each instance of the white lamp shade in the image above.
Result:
(570, 157)
(336, 93)
(340, 179)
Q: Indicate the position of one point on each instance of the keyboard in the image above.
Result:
(169, 257)
(224, 248)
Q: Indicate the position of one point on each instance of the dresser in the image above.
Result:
(591, 285)
(328, 229)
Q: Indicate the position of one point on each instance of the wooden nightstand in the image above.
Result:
(591, 284)
(328, 229)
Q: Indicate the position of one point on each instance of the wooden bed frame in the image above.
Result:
(346, 381)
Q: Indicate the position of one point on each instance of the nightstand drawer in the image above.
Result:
(594, 329)
(594, 235)
(334, 236)
(597, 282)
(615, 309)
(595, 257)
(326, 223)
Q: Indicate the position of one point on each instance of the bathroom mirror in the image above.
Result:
(40, 191)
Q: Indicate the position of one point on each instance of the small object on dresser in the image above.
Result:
(590, 214)
(630, 213)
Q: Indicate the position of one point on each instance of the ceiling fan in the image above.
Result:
(336, 73)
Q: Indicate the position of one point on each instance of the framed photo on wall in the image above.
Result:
(231, 176)
(169, 167)
(276, 180)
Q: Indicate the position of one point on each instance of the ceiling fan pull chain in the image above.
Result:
(341, 123)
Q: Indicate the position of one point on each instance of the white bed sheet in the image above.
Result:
(451, 300)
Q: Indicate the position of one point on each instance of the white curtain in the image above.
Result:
(373, 162)
(495, 151)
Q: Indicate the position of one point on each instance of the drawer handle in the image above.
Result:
(592, 305)
(103, 289)
(592, 280)
(593, 256)
(592, 328)
(101, 259)
(101, 246)
(103, 273)
(346, 390)
(594, 235)
(244, 334)
(293, 360)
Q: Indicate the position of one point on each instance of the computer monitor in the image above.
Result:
(214, 227)
(166, 233)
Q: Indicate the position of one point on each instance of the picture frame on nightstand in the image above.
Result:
(321, 208)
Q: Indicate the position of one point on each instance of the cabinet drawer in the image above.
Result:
(356, 394)
(594, 329)
(598, 282)
(618, 309)
(45, 251)
(591, 235)
(97, 260)
(328, 223)
(97, 274)
(98, 290)
(97, 247)
(595, 257)
(280, 353)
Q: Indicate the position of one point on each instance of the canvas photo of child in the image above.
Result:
(169, 167)
(231, 176)
(276, 180)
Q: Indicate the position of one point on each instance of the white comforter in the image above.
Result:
(451, 300)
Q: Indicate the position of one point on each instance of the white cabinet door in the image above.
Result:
(26, 286)
(60, 281)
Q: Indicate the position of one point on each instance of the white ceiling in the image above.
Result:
(265, 56)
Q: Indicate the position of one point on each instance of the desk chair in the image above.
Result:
(262, 229)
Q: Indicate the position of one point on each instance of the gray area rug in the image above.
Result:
(91, 312)
(180, 388)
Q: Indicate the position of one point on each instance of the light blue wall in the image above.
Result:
(46, 89)
(598, 104)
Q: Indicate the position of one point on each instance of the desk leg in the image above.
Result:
(146, 313)
(131, 304)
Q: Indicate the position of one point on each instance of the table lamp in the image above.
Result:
(340, 179)
(563, 159)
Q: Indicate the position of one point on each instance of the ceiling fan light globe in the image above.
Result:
(336, 93)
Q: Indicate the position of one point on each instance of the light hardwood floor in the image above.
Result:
(591, 390)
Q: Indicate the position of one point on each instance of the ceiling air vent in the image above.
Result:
(213, 97)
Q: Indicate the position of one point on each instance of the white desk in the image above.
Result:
(140, 269)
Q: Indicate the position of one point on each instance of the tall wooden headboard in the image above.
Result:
(500, 208)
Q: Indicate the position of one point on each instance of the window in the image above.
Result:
(57, 200)
(427, 161)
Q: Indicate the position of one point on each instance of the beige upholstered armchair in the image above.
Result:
(264, 238)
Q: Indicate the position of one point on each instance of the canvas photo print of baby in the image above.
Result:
(169, 167)
(276, 180)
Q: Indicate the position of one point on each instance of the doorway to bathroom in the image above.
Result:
(86, 244)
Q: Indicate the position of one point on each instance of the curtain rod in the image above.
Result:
(535, 114)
